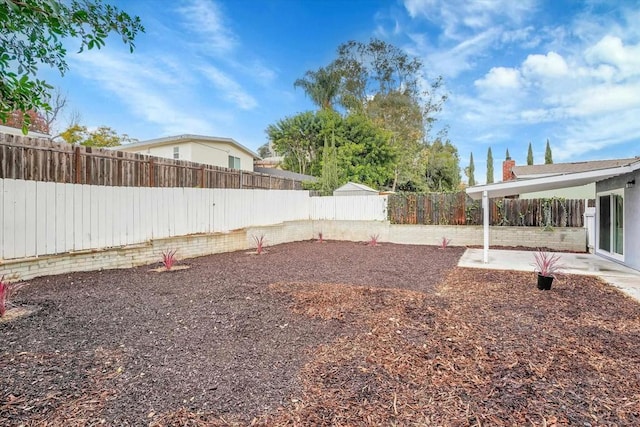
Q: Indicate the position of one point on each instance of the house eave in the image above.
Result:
(158, 142)
(554, 182)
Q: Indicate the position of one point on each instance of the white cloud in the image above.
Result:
(205, 18)
(145, 88)
(230, 89)
(611, 51)
(546, 66)
(499, 80)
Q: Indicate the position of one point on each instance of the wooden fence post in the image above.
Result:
(151, 173)
(77, 164)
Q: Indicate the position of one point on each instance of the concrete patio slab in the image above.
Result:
(624, 278)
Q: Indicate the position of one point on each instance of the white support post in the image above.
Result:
(485, 225)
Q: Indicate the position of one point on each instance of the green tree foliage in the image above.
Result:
(329, 179)
(442, 166)
(507, 156)
(530, 155)
(32, 33)
(470, 172)
(321, 86)
(102, 137)
(548, 157)
(489, 167)
(297, 139)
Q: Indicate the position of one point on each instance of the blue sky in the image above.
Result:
(515, 71)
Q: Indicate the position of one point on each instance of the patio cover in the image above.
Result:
(515, 187)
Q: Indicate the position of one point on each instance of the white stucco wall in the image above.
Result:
(582, 192)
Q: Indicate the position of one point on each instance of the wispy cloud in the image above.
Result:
(230, 89)
(204, 17)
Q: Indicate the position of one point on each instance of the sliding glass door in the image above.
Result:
(611, 223)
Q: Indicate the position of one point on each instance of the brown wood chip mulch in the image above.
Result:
(321, 334)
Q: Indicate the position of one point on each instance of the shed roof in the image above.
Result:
(354, 186)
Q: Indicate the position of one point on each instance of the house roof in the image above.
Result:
(285, 174)
(186, 138)
(531, 171)
(551, 182)
(18, 132)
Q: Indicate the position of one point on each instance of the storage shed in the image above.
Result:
(355, 189)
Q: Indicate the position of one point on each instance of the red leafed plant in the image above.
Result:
(6, 289)
(547, 264)
(444, 243)
(4, 296)
(320, 237)
(373, 240)
(259, 242)
(169, 258)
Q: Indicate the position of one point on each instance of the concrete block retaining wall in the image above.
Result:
(566, 239)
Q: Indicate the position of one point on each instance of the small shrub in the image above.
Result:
(444, 243)
(547, 264)
(259, 243)
(6, 289)
(320, 237)
(4, 296)
(169, 258)
(373, 240)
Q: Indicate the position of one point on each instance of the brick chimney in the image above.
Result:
(507, 166)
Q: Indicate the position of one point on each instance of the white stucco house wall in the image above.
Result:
(211, 150)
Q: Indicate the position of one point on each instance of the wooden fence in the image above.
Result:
(460, 209)
(35, 159)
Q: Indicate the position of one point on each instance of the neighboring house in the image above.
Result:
(8, 130)
(510, 172)
(211, 150)
(355, 189)
(285, 174)
(617, 194)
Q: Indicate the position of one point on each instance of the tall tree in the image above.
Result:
(390, 87)
(37, 123)
(321, 86)
(530, 155)
(507, 156)
(329, 180)
(469, 171)
(297, 138)
(442, 165)
(32, 33)
(548, 157)
(489, 166)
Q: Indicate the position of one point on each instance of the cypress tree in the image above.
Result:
(548, 157)
(530, 155)
(489, 167)
(470, 170)
(507, 156)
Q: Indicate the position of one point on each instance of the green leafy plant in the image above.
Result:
(259, 243)
(169, 258)
(547, 264)
(444, 243)
(373, 240)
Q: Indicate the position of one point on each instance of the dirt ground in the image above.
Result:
(337, 333)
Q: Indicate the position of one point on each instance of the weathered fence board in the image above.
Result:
(33, 159)
(459, 209)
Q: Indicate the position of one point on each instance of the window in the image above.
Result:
(611, 223)
(176, 152)
(234, 162)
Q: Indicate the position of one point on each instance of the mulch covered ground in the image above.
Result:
(321, 334)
